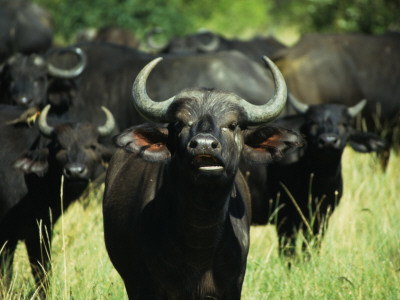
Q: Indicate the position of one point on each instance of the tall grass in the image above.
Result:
(359, 258)
(360, 255)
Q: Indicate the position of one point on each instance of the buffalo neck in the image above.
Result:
(323, 164)
(327, 173)
(200, 212)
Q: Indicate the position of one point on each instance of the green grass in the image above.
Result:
(359, 258)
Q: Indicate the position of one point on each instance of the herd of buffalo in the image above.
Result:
(200, 138)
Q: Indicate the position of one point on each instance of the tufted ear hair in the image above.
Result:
(267, 143)
(106, 153)
(34, 161)
(148, 141)
(365, 142)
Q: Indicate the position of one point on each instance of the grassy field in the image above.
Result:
(359, 259)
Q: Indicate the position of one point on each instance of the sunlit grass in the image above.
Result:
(360, 255)
(359, 258)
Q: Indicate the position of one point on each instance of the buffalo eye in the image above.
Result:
(93, 147)
(313, 129)
(38, 83)
(343, 127)
(232, 126)
(40, 80)
(179, 125)
(57, 145)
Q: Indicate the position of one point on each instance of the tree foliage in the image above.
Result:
(367, 16)
(176, 17)
(231, 18)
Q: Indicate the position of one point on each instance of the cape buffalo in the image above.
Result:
(343, 68)
(176, 209)
(33, 161)
(306, 185)
(25, 27)
(106, 80)
(110, 34)
(205, 41)
(34, 81)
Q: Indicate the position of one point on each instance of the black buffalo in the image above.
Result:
(24, 27)
(110, 34)
(34, 81)
(110, 82)
(306, 185)
(107, 79)
(33, 161)
(176, 209)
(344, 68)
(205, 41)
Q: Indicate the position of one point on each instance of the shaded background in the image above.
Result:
(285, 19)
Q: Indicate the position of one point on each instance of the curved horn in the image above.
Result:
(356, 109)
(70, 73)
(148, 108)
(109, 126)
(150, 41)
(210, 46)
(44, 128)
(297, 105)
(269, 111)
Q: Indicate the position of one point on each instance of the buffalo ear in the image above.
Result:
(267, 143)
(105, 152)
(148, 141)
(366, 142)
(35, 161)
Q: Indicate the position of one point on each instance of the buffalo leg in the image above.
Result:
(38, 246)
(6, 260)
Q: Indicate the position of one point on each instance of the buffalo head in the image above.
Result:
(24, 27)
(72, 149)
(328, 128)
(207, 129)
(202, 41)
(25, 80)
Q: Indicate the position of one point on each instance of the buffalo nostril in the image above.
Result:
(193, 144)
(329, 140)
(204, 143)
(75, 171)
(25, 100)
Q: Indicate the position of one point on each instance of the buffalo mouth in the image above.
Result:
(208, 164)
(77, 181)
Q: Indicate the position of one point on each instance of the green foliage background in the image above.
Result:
(233, 18)
(367, 16)
(177, 17)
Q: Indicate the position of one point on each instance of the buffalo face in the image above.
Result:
(327, 127)
(206, 127)
(207, 139)
(78, 153)
(33, 80)
(24, 80)
(75, 148)
(207, 133)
